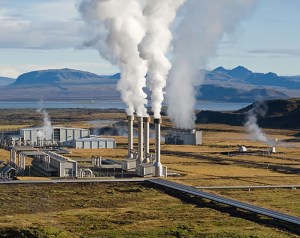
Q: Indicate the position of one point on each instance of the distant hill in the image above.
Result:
(62, 77)
(4, 81)
(279, 114)
(235, 85)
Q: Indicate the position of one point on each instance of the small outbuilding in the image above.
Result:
(184, 137)
(94, 143)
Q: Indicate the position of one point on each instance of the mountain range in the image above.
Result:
(242, 75)
(235, 85)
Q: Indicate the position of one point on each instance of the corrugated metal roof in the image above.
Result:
(24, 148)
(58, 157)
(33, 153)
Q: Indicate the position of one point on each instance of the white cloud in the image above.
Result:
(276, 52)
(59, 10)
(41, 25)
(39, 35)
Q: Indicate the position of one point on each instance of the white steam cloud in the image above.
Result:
(46, 133)
(117, 27)
(154, 47)
(258, 110)
(204, 23)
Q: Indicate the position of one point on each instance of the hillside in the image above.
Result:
(61, 77)
(279, 114)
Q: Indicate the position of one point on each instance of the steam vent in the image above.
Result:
(140, 160)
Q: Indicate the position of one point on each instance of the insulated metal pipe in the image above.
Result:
(140, 140)
(130, 135)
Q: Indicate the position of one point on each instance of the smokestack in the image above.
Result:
(130, 135)
(157, 164)
(140, 140)
(146, 138)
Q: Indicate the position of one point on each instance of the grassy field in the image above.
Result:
(114, 210)
(123, 210)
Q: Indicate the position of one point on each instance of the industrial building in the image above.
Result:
(47, 163)
(141, 160)
(184, 137)
(94, 143)
(61, 136)
(63, 166)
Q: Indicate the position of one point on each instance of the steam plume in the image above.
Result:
(155, 45)
(46, 133)
(258, 110)
(204, 23)
(118, 27)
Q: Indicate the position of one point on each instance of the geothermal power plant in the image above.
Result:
(140, 160)
(48, 161)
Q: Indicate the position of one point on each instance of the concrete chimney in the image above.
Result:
(157, 164)
(140, 141)
(146, 138)
(130, 135)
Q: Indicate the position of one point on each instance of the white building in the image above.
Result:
(62, 136)
(47, 163)
(63, 166)
(94, 143)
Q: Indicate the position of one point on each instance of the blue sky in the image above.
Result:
(42, 34)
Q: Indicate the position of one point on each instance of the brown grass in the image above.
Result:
(4, 155)
(116, 210)
(4, 128)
